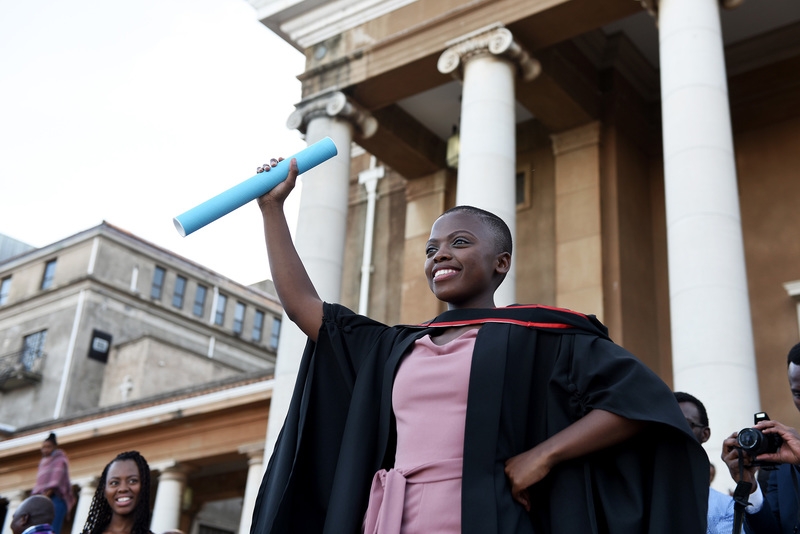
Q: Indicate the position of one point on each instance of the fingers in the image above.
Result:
(523, 498)
(267, 166)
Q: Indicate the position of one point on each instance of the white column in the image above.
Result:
(169, 497)
(321, 229)
(15, 498)
(712, 341)
(88, 487)
(255, 469)
(487, 136)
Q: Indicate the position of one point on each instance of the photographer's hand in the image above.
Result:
(730, 455)
(789, 451)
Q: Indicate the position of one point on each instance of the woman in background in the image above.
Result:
(121, 504)
(52, 480)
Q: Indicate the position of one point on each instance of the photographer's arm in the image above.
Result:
(789, 451)
(292, 283)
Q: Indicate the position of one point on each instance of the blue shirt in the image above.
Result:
(720, 513)
(42, 529)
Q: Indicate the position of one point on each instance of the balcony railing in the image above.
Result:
(20, 369)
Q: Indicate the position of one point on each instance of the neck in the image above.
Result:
(475, 305)
(121, 523)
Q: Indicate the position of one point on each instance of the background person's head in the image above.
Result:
(467, 256)
(49, 445)
(35, 510)
(793, 370)
(695, 414)
(124, 490)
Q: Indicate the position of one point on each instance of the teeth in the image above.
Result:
(442, 272)
(123, 499)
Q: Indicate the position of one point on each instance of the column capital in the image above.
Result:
(494, 39)
(332, 104)
(252, 450)
(89, 480)
(651, 6)
(171, 470)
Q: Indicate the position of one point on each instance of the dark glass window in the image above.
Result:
(520, 188)
(180, 290)
(32, 349)
(5, 287)
(276, 331)
(258, 325)
(219, 317)
(200, 300)
(238, 318)
(49, 273)
(158, 283)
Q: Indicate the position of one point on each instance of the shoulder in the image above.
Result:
(336, 315)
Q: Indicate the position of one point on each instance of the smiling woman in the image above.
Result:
(121, 502)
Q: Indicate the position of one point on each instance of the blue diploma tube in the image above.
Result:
(252, 188)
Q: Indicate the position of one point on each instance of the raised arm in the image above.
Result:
(295, 290)
(595, 431)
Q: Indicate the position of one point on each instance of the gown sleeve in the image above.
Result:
(304, 478)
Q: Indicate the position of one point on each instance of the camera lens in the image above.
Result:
(749, 439)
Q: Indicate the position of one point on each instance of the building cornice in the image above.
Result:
(307, 23)
(142, 417)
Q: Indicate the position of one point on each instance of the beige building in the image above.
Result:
(645, 155)
(116, 344)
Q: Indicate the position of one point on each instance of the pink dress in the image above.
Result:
(422, 493)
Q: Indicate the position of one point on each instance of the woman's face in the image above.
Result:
(47, 448)
(122, 486)
(462, 261)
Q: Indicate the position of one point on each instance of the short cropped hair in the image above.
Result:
(497, 226)
(793, 356)
(680, 396)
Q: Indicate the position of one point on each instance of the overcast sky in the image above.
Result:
(133, 112)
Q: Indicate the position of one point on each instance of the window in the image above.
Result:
(158, 283)
(32, 349)
(180, 289)
(219, 318)
(276, 330)
(238, 318)
(258, 325)
(200, 300)
(5, 287)
(49, 272)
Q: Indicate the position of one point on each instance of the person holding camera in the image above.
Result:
(777, 510)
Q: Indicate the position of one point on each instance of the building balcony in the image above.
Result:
(20, 369)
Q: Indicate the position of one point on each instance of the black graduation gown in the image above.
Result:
(535, 370)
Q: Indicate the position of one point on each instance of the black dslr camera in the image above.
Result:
(754, 442)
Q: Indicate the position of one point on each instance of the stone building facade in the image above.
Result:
(115, 344)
